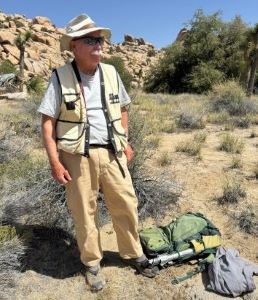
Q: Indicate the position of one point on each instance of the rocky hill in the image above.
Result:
(43, 52)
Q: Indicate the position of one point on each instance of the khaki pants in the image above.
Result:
(101, 170)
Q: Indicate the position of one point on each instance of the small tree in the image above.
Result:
(20, 41)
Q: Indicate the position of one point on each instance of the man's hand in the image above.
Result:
(129, 153)
(60, 174)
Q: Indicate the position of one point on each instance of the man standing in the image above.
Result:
(85, 129)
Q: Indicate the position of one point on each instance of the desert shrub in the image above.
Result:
(237, 162)
(200, 137)
(229, 126)
(20, 167)
(36, 85)
(232, 193)
(118, 63)
(220, 117)
(190, 147)
(12, 146)
(230, 96)
(230, 143)
(35, 199)
(191, 120)
(168, 126)
(164, 159)
(140, 137)
(154, 194)
(243, 122)
(6, 67)
(247, 220)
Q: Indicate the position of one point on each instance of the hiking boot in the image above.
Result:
(143, 267)
(94, 278)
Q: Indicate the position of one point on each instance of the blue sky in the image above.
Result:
(158, 22)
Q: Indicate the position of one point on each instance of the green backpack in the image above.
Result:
(190, 230)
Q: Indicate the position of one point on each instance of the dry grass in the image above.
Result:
(192, 146)
(237, 162)
(233, 192)
(231, 143)
(164, 159)
(247, 220)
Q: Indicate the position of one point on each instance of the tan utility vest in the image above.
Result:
(72, 128)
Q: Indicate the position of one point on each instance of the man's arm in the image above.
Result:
(60, 174)
(124, 120)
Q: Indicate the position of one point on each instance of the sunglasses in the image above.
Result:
(91, 40)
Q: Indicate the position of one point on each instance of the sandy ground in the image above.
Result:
(202, 180)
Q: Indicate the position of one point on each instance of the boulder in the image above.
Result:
(11, 49)
(3, 55)
(12, 25)
(35, 55)
(12, 59)
(20, 23)
(36, 27)
(7, 37)
(41, 20)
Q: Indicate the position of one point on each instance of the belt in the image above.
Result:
(106, 146)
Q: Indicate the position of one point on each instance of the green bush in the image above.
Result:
(203, 77)
(212, 50)
(118, 63)
(36, 85)
(6, 67)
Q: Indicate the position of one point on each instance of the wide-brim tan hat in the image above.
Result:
(79, 27)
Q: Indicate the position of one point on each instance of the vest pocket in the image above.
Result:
(70, 136)
(72, 107)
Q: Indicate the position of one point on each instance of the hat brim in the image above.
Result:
(66, 38)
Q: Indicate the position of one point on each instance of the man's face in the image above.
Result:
(84, 48)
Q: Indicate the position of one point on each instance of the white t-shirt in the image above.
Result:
(51, 104)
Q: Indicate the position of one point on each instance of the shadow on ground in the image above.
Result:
(53, 252)
(50, 251)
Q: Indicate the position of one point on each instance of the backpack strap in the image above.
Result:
(202, 265)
